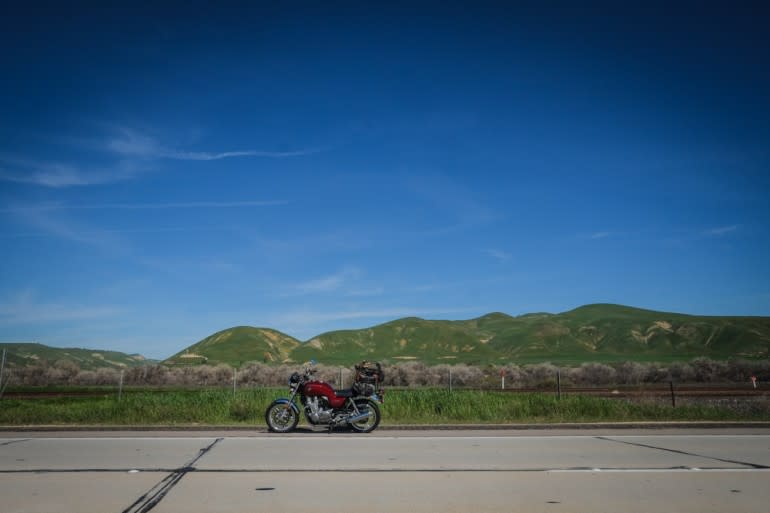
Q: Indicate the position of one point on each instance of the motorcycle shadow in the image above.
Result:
(304, 430)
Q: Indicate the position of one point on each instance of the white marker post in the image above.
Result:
(502, 379)
(754, 381)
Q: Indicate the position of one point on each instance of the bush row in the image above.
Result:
(409, 374)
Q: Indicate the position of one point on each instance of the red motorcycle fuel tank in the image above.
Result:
(321, 389)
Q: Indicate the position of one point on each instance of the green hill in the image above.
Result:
(613, 332)
(600, 332)
(24, 354)
(238, 345)
(400, 340)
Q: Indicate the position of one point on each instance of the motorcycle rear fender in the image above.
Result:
(286, 401)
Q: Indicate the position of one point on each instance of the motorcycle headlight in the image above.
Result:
(294, 380)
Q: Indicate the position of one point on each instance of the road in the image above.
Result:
(388, 471)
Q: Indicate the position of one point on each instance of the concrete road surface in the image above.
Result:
(677, 470)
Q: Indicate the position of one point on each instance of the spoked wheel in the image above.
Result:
(281, 417)
(372, 421)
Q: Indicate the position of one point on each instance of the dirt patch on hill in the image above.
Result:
(663, 325)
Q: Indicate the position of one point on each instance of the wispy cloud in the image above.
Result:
(131, 151)
(328, 283)
(427, 287)
(307, 317)
(145, 206)
(196, 155)
(131, 143)
(599, 235)
(24, 309)
(459, 205)
(84, 235)
(59, 226)
(375, 291)
(497, 254)
(59, 175)
(721, 230)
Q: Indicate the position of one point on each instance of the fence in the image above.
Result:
(622, 378)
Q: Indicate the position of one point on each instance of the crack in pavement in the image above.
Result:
(84, 470)
(677, 451)
(156, 494)
(471, 470)
(187, 470)
(14, 442)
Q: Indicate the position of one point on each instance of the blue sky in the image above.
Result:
(168, 172)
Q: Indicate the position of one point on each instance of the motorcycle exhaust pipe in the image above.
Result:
(360, 416)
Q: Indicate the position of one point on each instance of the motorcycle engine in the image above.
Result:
(318, 411)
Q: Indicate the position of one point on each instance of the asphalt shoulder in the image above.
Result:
(626, 428)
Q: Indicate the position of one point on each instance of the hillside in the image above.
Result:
(600, 332)
(24, 354)
(401, 340)
(613, 332)
(238, 345)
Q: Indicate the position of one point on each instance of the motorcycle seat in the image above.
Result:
(348, 392)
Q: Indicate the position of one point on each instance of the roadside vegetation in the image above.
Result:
(405, 374)
(63, 393)
(246, 407)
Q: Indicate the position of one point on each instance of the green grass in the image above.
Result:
(439, 406)
(179, 407)
(423, 406)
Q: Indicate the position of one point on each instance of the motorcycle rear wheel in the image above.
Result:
(370, 423)
(281, 417)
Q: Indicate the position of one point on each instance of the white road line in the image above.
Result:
(653, 470)
(364, 438)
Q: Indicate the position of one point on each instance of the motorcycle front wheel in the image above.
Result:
(370, 423)
(281, 417)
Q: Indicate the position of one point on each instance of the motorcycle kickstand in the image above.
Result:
(332, 425)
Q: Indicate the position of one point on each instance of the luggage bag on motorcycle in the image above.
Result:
(369, 372)
(368, 378)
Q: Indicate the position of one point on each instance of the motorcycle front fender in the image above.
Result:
(286, 401)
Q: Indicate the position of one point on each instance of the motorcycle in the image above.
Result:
(323, 406)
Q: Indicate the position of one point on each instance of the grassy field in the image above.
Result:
(423, 406)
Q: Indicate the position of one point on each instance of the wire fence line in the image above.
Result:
(753, 374)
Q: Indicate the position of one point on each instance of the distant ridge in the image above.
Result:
(596, 332)
(23, 354)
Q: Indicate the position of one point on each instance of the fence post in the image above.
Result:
(558, 383)
(450, 380)
(673, 396)
(2, 369)
(235, 378)
(120, 386)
